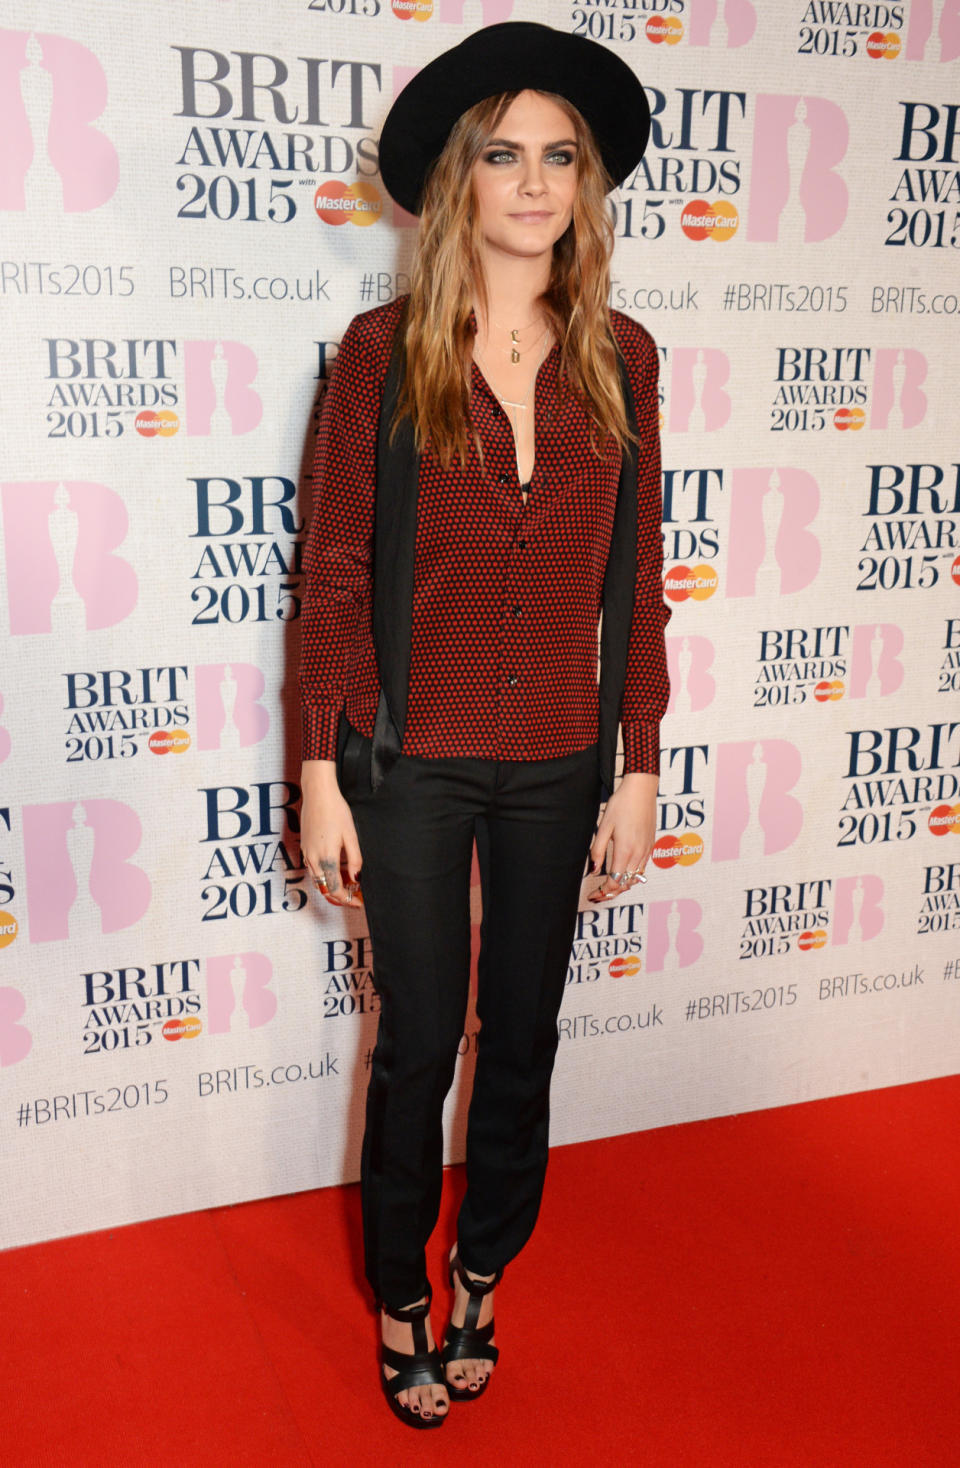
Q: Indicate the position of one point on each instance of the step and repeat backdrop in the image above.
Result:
(191, 214)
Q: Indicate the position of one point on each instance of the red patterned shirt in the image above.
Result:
(507, 595)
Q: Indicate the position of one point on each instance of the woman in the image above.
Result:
(481, 493)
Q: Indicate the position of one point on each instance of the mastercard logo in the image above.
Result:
(665, 29)
(883, 45)
(955, 570)
(674, 851)
(698, 582)
(169, 741)
(182, 1029)
(944, 818)
(624, 968)
(337, 202)
(9, 928)
(156, 425)
(717, 221)
(849, 418)
(829, 690)
(411, 9)
(815, 939)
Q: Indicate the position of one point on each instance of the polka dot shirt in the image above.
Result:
(507, 595)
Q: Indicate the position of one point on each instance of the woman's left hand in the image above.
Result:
(630, 823)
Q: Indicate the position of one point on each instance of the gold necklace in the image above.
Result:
(520, 407)
(516, 351)
(508, 402)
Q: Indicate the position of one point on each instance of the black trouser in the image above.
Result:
(533, 822)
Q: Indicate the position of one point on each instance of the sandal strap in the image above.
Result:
(477, 1289)
(423, 1368)
(466, 1343)
(406, 1313)
(414, 1316)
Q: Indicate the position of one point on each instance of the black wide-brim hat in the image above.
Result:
(516, 56)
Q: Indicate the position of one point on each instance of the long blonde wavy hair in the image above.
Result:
(448, 278)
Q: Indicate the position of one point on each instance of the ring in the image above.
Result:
(616, 876)
(321, 884)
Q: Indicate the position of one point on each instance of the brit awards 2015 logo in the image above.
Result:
(773, 552)
(239, 580)
(692, 684)
(911, 543)
(347, 977)
(63, 573)
(131, 1006)
(607, 942)
(239, 996)
(620, 941)
(81, 881)
(116, 711)
(697, 147)
(230, 714)
(849, 28)
(247, 173)
(796, 193)
(52, 91)
(16, 1041)
(838, 387)
(694, 150)
(940, 908)
(930, 148)
(800, 664)
(99, 388)
(805, 916)
(900, 780)
(253, 869)
(756, 810)
(693, 389)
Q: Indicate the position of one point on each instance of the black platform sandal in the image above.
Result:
(422, 1368)
(469, 1341)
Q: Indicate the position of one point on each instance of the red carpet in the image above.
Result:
(774, 1289)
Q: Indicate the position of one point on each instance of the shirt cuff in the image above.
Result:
(319, 723)
(641, 748)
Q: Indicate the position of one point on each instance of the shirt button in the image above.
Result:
(517, 612)
(501, 478)
(522, 544)
(511, 680)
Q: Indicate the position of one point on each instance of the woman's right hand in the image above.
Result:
(328, 837)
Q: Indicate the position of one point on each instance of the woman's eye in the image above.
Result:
(499, 155)
(561, 157)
